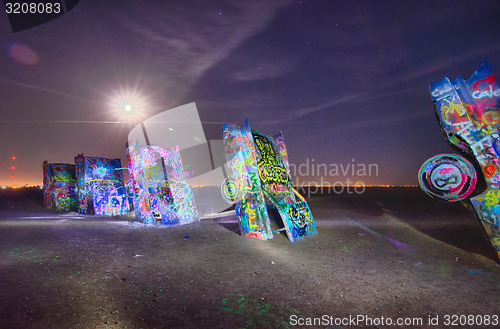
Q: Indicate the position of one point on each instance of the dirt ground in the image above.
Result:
(385, 255)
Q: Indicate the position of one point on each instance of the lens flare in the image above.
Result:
(129, 105)
(23, 55)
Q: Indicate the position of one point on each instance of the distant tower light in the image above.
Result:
(13, 170)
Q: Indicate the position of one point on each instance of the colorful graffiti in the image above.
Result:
(299, 220)
(59, 186)
(448, 176)
(241, 158)
(274, 172)
(100, 186)
(469, 114)
(159, 190)
(261, 172)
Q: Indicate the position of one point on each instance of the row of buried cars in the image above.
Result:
(246, 169)
(92, 185)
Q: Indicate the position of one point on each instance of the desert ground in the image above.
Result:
(380, 257)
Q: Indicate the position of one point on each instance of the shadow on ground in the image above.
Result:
(450, 222)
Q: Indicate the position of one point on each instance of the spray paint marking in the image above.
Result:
(255, 312)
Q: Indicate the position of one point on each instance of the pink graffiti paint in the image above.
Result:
(463, 179)
(445, 171)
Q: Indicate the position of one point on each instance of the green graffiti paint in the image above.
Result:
(255, 312)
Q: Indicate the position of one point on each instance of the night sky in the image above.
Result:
(346, 81)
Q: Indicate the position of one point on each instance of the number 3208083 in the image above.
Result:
(32, 8)
(473, 320)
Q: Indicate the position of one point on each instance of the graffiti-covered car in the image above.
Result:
(469, 114)
(100, 186)
(59, 186)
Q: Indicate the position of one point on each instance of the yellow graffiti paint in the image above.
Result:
(491, 197)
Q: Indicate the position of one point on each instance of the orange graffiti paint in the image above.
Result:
(491, 118)
(489, 170)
